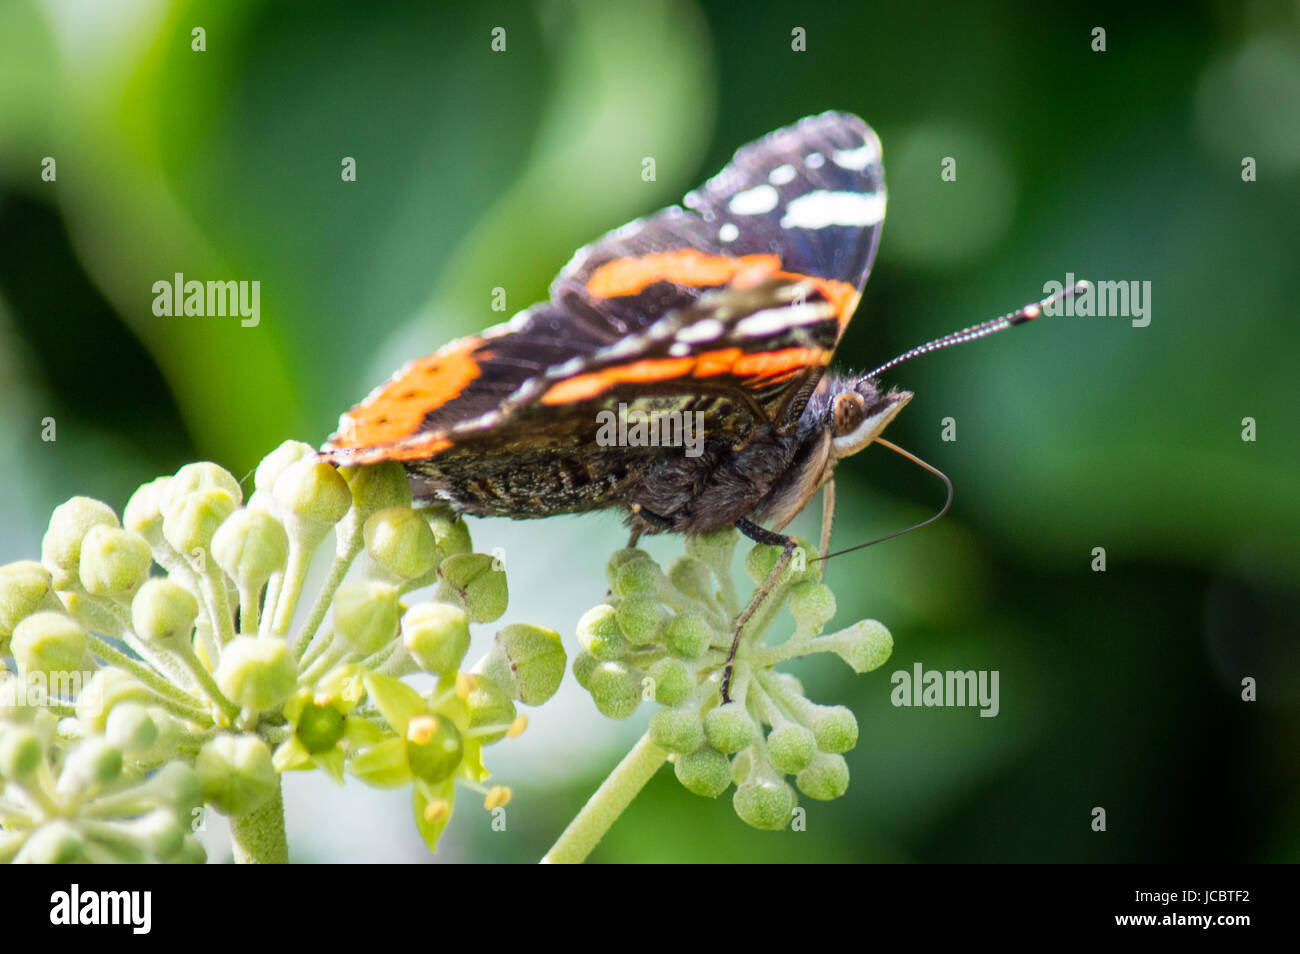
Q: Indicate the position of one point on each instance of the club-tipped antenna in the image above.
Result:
(1019, 317)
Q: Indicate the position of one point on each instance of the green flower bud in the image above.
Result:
(688, 635)
(825, 779)
(378, 486)
(24, 588)
(488, 704)
(278, 461)
(599, 635)
(622, 558)
(693, 577)
(163, 613)
(106, 689)
(677, 730)
(235, 773)
(167, 742)
(319, 727)
(761, 560)
(449, 530)
(791, 748)
(159, 834)
(312, 491)
(705, 772)
(835, 728)
(50, 643)
(470, 579)
(69, 524)
(713, 549)
(55, 843)
(178, 785)
(864, 646)
(191, 520)
(258, 675)
(638, 576)
(400, 541)
(203, 475)
(641, 618)
(527, 661)
(812, 605)
(250, 546)
(615, 687)
(114, 562)
(131, 728)
(21, 753)
(436, 635)
(730, 728)
(764, 803)
(365, 615)
(143, 513)
(584, 664)
(673, 683)
(92, 764)
(434, 748)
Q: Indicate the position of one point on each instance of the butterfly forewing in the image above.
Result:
(731, 307)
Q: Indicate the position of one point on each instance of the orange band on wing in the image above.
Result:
(397, 410)
(688, 266)
(777, 364)
(767, 365)
(583, 386)
(695, 269)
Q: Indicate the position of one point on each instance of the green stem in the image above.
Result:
(273, 586)
(348, 549)
(608, 803)
(258, 836)
(213, 586)
(248, 608)
(146, 675)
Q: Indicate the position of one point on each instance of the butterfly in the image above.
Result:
(713, 322)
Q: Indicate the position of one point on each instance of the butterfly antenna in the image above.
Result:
(917, 526)
(1019, 317)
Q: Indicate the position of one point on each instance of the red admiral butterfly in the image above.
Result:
(726, 312)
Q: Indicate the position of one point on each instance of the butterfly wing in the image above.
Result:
(735, 302)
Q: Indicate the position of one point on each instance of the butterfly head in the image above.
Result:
(856, 411)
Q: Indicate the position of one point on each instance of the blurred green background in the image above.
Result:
(478, 169)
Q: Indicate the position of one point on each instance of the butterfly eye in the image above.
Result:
(849, 410)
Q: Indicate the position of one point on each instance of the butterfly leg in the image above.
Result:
(662, 523)
(758, 535)
(828, 517)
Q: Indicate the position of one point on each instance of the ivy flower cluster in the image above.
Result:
(174, 660)
(665, 636)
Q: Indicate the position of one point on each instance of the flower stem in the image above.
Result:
(347, 552)
(608, 803)
(259, 837)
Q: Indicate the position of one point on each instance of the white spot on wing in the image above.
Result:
(705, 330)
(857, 159)
(754, 201)
(771, 320)
(781, 175)
(728, 232)
(572, 366)
(679, 350)
(814, 160)
(816, 210)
